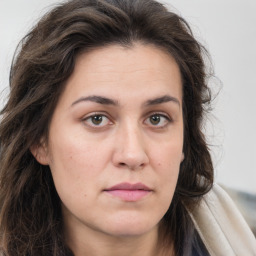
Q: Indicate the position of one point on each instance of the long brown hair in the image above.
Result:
(30, 215)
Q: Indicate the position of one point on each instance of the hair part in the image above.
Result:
(30, 217)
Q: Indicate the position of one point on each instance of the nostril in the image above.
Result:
(131, 166)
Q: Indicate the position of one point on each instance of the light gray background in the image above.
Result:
(228, 29)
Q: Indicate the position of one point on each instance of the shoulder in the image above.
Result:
(221, 226)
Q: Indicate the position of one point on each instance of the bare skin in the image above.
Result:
(118, 121)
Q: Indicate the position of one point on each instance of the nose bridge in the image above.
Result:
(132, 137)
(130, 145)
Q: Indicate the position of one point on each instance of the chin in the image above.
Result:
(132, 227)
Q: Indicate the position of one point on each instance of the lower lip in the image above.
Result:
(129, 195)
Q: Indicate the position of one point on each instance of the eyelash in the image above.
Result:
(89, 119)
(89, 122)
(167, 120)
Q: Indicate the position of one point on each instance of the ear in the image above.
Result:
(182, 157)
(40, 152)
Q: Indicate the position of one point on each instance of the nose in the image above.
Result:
(130, 149)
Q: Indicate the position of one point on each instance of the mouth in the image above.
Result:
(129, 192)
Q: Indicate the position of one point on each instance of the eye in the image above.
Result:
(158, 120)
(97, 120)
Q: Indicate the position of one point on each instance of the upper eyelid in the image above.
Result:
(148, 114)
(86, 119)
(92, 114)
(96, 113)
(161, 113)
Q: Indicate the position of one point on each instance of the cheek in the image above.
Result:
(167, 166)
(75, 164)
(75, 168)
(168, 158)
(76, 154)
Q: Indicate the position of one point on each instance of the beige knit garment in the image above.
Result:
(222, 227)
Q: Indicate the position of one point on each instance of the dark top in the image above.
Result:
(198, 247)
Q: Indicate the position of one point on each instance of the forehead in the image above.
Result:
(134, 59)
(116, 70)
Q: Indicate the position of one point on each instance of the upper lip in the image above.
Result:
(129, 186)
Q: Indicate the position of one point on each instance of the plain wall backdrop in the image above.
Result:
(228, 30)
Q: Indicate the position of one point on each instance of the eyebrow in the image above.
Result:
(108, 101)
(162, 99)
(97, 99)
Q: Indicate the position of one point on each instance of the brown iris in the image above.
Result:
(155, 119)
(97, 119)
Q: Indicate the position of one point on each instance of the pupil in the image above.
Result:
(97, 119)
(155, 119)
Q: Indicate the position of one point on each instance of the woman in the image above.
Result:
(102, 151)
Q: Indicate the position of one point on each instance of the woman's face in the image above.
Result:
(115, 141)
